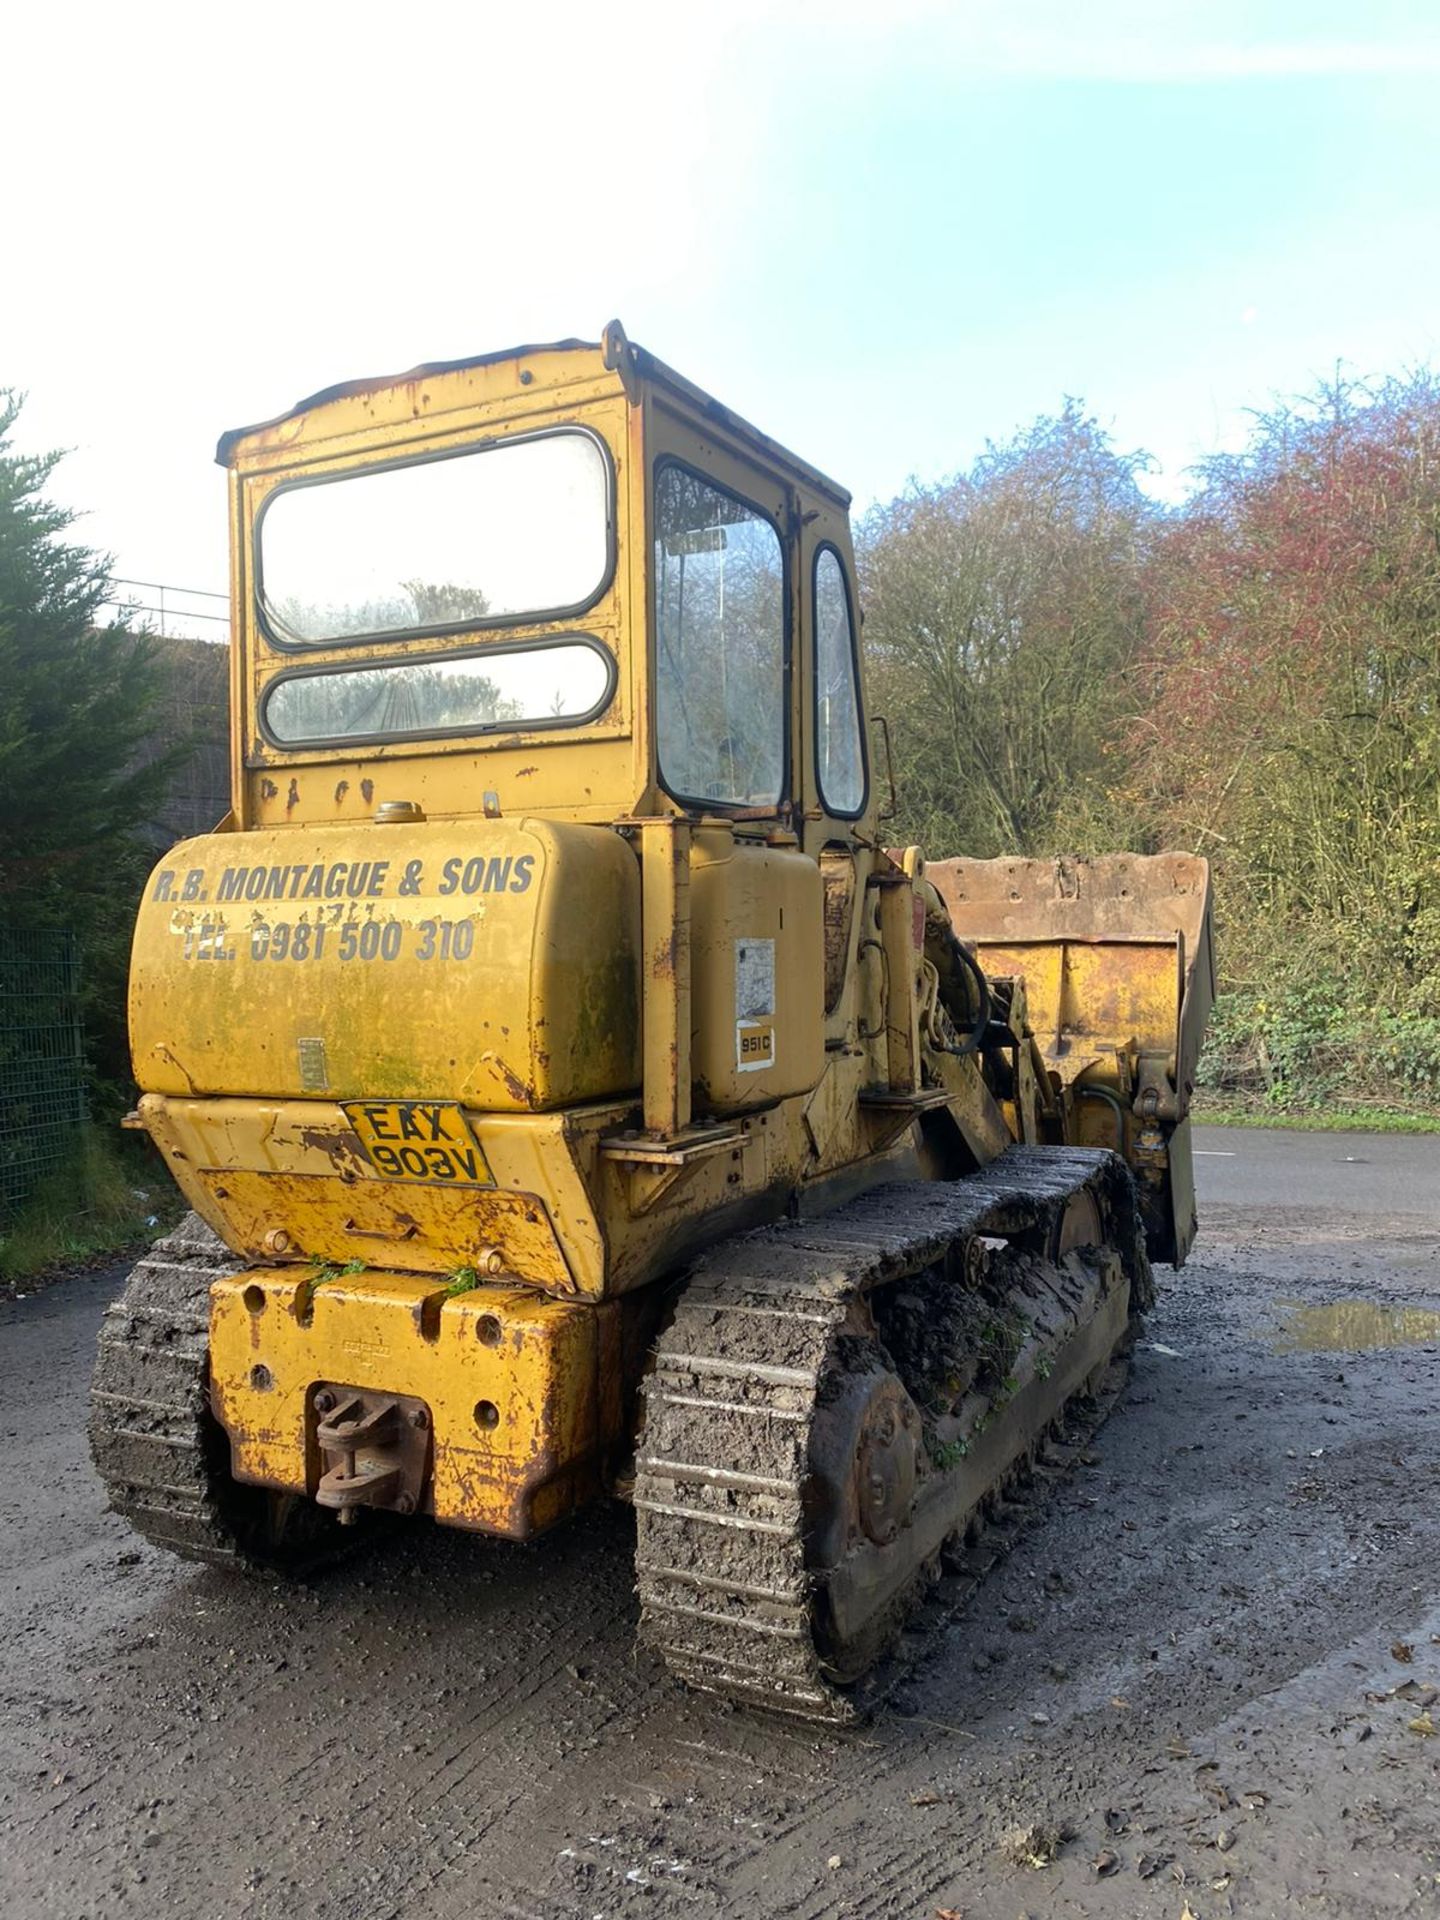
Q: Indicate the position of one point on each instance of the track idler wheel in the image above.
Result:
(866, 1467)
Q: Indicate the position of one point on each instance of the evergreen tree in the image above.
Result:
(78, 700)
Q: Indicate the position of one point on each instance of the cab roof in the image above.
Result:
(620, 353)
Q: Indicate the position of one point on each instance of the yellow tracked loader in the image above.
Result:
(575, 1096)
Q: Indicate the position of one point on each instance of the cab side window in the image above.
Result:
(839, 748)
(720, 645)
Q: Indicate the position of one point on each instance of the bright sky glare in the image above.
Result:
(883, 233)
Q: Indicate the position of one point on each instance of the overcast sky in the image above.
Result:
(885, 232)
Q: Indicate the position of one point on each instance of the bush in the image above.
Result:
(112, 1195)
(1307, 1047)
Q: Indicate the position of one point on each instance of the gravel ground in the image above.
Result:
(1203, 1683)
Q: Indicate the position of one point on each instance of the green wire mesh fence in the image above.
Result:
(42, 1065)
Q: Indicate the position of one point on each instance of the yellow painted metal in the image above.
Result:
(491, 962)
(429, 1229)
(523, 931)
(757, 971)
(1116, 952)
(594, 772)
(292, 1177)
(564, 1215)
(275, 1333)
(665, 919)
(1092, 1001)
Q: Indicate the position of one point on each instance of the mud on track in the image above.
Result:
(1177, 1669)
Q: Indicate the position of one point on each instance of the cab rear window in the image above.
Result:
(515, 530)
(555, 684)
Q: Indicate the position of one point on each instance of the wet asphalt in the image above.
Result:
(1361, 1172)
(1208, 1675)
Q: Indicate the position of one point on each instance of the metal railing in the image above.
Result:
(42, 1060)
(168, 612)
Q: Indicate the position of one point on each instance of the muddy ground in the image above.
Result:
(1210, 1670)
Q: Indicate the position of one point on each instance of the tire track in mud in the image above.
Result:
(272, 1728)
(414, 1781)
(798, 1801)
(900, 1878)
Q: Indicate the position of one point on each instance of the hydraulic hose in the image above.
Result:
(964, 990)
(984, 1000)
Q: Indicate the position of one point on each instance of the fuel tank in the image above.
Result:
(491, 962)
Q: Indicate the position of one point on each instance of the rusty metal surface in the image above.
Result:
(508, 1382)
(232, 443)
(1114, 896)
(837, 875)
(419, 1228)
(374, 1449)
(1117, 959)
(1114, 903)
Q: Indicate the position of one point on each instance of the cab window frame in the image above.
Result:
(856, 681)
(274, 635)
(700, 803)
(535, 643)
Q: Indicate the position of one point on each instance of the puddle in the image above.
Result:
(1354, 1326)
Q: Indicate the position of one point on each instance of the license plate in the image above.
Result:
(425, 1140)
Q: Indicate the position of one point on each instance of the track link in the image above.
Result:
(763, 1340)
(161, 1453)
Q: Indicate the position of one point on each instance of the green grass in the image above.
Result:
(100, 1203)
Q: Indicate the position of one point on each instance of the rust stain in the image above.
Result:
(342, 787)
(665, 955)
(180, 1068)
(367, 791)
(268, 788)
(292, 799)
(514, 1085)
(342, 1149)
(523, 773)
(837, 872)
(348, 1212)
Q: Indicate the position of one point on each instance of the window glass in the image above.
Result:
(518, 528)
(720, 645)
(519, 687)
(839, 756)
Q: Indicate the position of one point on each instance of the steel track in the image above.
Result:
(158, 1449)
(757, 1345)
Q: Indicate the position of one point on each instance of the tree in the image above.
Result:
(1294, 729)
(1295, 669)
(1003, 615)
(77, 701)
